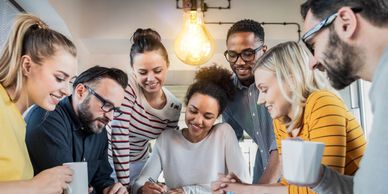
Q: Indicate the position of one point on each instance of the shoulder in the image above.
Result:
(252, 88)
(323, 98)
(166, 137)
(34, 112)
(172, 98)
(169, 133)
(172, 109)
(278, 125)
(3, 98)
(36, 117)
(132, 89)
(223, 128)
(322, 95)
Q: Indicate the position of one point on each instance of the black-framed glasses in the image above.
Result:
(106, 106)
(247, 55)
(321, 25)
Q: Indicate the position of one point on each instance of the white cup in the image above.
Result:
(301, 161)
(79, 184)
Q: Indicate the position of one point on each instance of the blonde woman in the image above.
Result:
(303, 106)
(36, 66)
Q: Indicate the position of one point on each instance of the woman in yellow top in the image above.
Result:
(36, 65)
(303, 106)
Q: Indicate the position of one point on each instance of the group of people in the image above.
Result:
(272, 94)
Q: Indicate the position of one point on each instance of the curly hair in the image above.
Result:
(213, 81)
(247, 25)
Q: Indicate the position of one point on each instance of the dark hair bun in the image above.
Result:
(146, 40)
(218, 76)
(149, 34)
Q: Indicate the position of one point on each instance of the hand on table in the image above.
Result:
(223, 181)
(154, 188)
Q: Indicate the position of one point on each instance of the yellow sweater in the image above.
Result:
(14, 160)
(327, 120)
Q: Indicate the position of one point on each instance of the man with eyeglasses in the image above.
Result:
(75, 130)
(349, 40)
(245, 45)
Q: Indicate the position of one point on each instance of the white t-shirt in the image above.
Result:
(193, 166)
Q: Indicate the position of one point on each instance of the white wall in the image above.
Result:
(102, 28)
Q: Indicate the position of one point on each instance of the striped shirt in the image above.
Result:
(140, 123)
(327, 120)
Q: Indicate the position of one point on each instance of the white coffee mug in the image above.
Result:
(79, 184)
(301, 161)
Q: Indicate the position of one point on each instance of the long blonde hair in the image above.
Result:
(289, 61)
(29, 36)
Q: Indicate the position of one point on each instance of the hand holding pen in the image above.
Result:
(154, 187)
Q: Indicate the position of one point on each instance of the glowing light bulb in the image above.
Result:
(194, 45)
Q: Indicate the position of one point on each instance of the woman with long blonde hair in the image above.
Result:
(36, 65)
(303, 106)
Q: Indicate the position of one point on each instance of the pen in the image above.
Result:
(152, 180)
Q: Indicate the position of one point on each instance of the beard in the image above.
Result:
(245, 80)
(87, 119)
(342, 62)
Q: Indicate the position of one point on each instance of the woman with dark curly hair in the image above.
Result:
(191, 158)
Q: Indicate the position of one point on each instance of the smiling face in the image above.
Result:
(89, 107)
(201, 113)
(341, 61)
(150, 70)
(270, 94)
(238, 42)
(48, 82)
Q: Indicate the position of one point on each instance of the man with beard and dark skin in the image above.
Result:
(75, 130)
(245, 45)
(349, 40)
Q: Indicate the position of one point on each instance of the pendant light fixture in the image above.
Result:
(194, 45)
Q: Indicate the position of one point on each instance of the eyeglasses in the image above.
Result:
(247, 55)
(322, 24)
(106, 106)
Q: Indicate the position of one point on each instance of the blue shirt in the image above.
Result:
(244, 114)
(57, 137)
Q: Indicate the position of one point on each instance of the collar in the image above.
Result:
(238, 83)
(66, 103)
(380, 66)
(4, 94)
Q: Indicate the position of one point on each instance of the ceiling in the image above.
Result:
(101, 28)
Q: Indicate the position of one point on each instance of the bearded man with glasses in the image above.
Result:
(349, 40)
(75, 130)
(245, 45)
